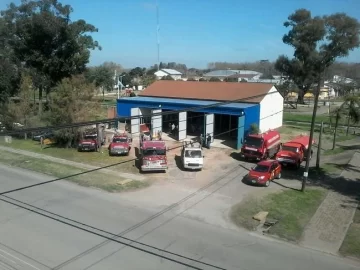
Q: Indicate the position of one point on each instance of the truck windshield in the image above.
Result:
(290, 148)
(193, 153)
(90, 137)
(256, 142)
(261, 168)
(154, 152)
(119, 140)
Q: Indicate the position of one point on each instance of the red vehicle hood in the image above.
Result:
(255, 174)
(87, 141)
(154, 158)
(123, 144)
(286, 154)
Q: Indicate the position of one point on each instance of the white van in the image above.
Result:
(192, 156)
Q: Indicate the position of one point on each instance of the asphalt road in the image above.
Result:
(31, 241)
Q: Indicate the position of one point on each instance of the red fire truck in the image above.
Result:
(295, 151)
(261, 146)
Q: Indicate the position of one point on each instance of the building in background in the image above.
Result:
(176, 75)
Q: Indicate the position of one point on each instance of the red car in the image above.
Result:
(264, 172)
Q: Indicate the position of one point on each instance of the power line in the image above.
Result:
(111, 120)
(113, 234)
(104, 236)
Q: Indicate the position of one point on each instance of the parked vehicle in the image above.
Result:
(120, 145)
(153, 155)
(192, 156)
(90, 141)
(264, 172)
(45, 135)
(261, 146)
(294, 152)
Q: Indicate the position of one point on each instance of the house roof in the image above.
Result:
(215, 91)
(229, 72)
(171, 71)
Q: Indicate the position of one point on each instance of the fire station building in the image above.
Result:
(192, 107)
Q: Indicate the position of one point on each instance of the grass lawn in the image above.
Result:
(92, 158)
(319, 118)
(351, 244)
(336, 151)
(293, 208)
(100, 180)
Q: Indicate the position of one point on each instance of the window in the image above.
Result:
(90, 137)
(255, 142)
(120, 140)
(290, 149)
(261, 168)
(154, 152)
(193, 153)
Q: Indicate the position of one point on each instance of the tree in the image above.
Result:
(254, 129)
(72, 102)
(202, 80)
(267, 76)
(191, 79)
(338, 114)
(102, 77)
(114, 67)
(214, 79)
(137, 72)
(352, 106)
(317, 42)
(43, 37)
(148, 79)
(167, 78)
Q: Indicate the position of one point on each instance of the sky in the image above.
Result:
(195, 32)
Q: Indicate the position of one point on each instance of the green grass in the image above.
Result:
(331, 152)
(325, 169)
(319, 118)
(351, 244)
(293, 208)
(92, 158)
(99, 180)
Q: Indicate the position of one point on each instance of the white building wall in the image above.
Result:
(271, 110)
(176, 77)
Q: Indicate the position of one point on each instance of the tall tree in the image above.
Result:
(352, 106)
(43, 37)
(317, 42)
(71, 102)
(102, 77)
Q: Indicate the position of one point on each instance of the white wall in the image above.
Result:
(271, 110)
(176, 77)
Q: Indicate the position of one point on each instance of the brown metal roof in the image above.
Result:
(217, 91)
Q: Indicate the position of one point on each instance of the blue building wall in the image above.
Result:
(249, 113)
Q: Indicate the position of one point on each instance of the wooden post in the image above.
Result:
(98, 138)
(319, 147)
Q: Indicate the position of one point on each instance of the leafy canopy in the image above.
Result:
(42, 35)
(317, 42)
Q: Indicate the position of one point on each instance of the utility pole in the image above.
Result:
(319, 147)
(308, 155)
(157, 34)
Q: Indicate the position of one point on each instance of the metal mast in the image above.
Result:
(157, 34)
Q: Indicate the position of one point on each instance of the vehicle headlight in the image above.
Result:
(261, 177)
(92, 143)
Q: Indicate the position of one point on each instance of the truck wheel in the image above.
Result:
(267, 183)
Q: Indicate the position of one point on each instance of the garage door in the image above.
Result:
(156, 122)
(182, 125)
(135, 121)
(209, 125)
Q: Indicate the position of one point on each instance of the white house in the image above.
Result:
(176, 75)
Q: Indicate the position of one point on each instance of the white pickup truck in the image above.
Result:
(192, 156)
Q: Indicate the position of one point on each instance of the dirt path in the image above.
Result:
(72, 163)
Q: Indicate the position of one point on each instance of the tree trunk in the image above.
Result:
(40, 100)
(348, 125)
(335, 131)
(300, 99)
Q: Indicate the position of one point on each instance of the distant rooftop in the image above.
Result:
(171, 71)
(229, 72)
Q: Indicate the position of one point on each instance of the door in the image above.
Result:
(182, 126)
(135, 121)
(240, 132)
(209, 126)
(156, 122)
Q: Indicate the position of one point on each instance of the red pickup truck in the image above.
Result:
(294, 152)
